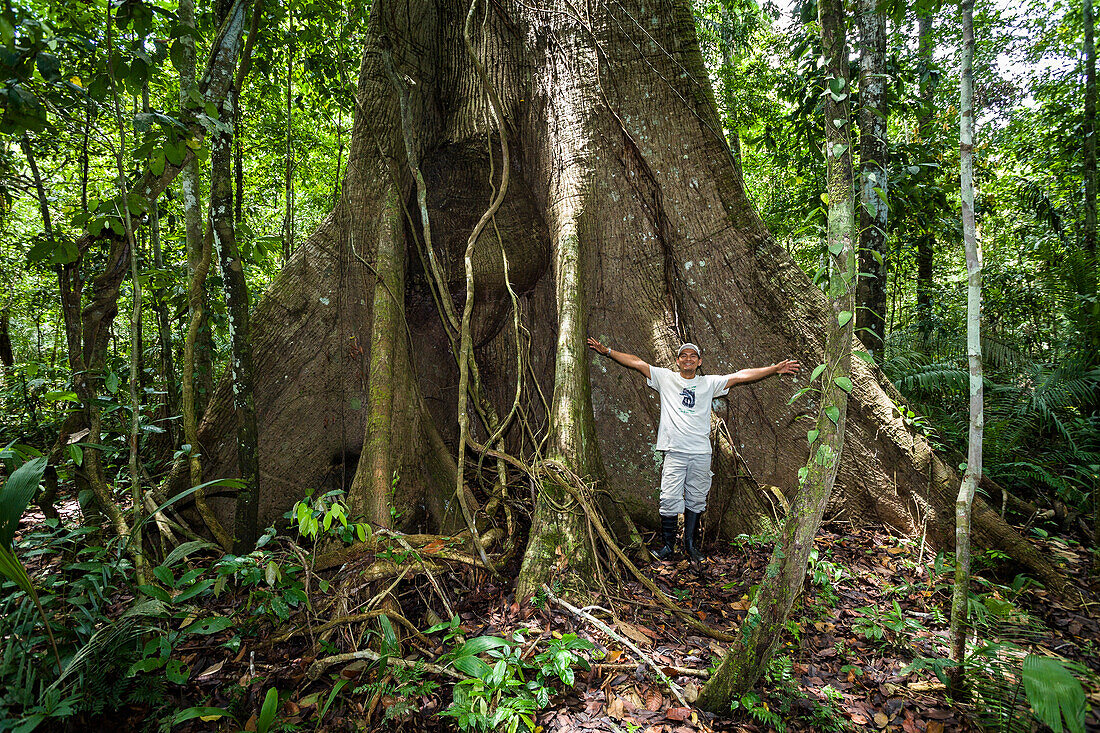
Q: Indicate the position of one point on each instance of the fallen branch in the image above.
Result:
(672, 686)
(629, 666)
(350, 619)
(318, 668)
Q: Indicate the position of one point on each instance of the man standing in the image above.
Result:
(684, 433)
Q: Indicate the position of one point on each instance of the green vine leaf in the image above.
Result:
(844, 383)
(811, 436)
(817, 372)
(833, 413)
(843, 318)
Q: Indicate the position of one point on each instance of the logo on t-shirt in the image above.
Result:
(688, 396)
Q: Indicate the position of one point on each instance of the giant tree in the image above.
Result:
(625, 217)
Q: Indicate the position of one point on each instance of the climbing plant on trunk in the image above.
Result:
(830, 382)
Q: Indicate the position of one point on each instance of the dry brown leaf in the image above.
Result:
(691, 692)
(881, 720)
(615, 709)
(678, 713)
(934, 726)
(632, 632)
(654, 700)
(210, 670)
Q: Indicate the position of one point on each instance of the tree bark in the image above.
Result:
(874, 184)
(625, 219)
(972, 476)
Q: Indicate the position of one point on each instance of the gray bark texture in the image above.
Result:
(621, 179)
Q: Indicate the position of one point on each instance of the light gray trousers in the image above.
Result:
(685, 482)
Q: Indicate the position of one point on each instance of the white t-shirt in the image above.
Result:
(685, 409)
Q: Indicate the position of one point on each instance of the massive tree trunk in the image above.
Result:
(626, 218)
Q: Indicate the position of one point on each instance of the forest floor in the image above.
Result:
(874, 604)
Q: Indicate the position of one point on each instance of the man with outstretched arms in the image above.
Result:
(684, 432)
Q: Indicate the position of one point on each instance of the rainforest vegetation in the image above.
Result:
(298, 424)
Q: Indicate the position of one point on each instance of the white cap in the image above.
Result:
(693, 347)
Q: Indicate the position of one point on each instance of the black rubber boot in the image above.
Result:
(668, 533)
(691, 524)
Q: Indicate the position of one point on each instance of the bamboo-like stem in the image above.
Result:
(135, 536)
(973, 474)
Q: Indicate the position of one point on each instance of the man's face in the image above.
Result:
(688, 360)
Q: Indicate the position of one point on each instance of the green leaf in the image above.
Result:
(817, 372)
(186, 549)
(175, 153)
(211, 625)
(156, 163)
(473, 667)
(267, 711)
(7, 32)
(1054, 693)
(844, 383)
(836, 247)
(16, 494)
(111, 382)
(798, 394)
(843, 318)
(833, 413)
(389, 638)
(178, 55)
(177, 672)
(205, 714)
(811, 436)
(144, 666)
(480, 644)
(863, 355)
(48, 66)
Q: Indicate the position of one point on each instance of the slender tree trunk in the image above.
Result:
(288, 177)
(973, 474)
(170, 405)
(747, 659)
(874, 186)
(197, 370)
(246, 525)
(726, 75)
(7, 358)
(134, 537)
(1093, 334)
(926, 237)
(238, 165)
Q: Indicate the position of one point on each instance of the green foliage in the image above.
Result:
(327, 514)
(1054, 693)
(274, 586)
(507, 693)
(777, 702)
(890, 625)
